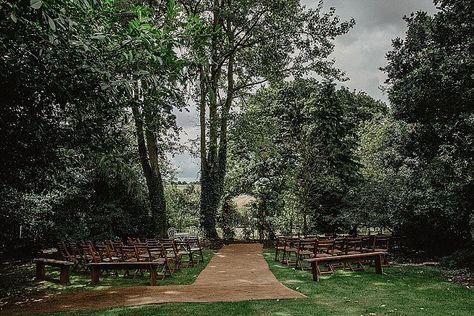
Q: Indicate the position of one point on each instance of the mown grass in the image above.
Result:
(402, 291)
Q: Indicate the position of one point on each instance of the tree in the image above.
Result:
(182, 202)
(431, 91)
(73, 73)
(150, 68)
(59, 131)
(137, 45)
(382, 191)
(293, 148)
(252, 42)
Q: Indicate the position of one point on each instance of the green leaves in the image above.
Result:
(294, 145)
(431, 92)
(36, 4)
(51, 23)
(13, 17)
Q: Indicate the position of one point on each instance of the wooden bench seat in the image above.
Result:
(64, 265)
(378, 257)
(151, 266)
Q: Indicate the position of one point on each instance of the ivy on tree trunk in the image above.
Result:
(149, 159)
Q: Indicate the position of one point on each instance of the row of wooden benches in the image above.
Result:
(346, 252)
(167, 254)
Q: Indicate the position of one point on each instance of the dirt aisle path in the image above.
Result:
(236, 273)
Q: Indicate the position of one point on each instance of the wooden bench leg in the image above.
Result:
(315, 271)
(64, 276)
(378, 264)
(152, 275)
(40, 271)
(94, 275)
(190, 262)
(385, 261)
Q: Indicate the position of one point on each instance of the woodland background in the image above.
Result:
(90, 91)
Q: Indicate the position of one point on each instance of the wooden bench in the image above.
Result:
(378, 257)
(99, 266)
(64, 265)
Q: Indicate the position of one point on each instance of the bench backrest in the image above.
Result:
(307, 244)
(325, 246)
(156, 251)
(382, 242)
(169, 246)
(352, 244)
(133, 240)
(280, 240)
(129, 253)
(103, 251)
(194, 242)
(182, 245)
(64, 251)
(89, 254)
(291, 242)
(141, 250)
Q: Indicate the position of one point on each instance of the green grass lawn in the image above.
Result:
(402, 291)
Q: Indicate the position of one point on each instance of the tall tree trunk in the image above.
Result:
(149, 159)
(207, 205)
(225, 114)
(213, 162)
(211, 190)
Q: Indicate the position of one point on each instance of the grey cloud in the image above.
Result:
(361, 52)
(379, 13)
(187, 118)
(188, 167)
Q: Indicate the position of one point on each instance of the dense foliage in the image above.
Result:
(53, 133)
(71, 72)
(431, 89)
(90, 91)
(328, 160)
(250, 43)
(294, 148)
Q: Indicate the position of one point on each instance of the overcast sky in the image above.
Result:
(360, 53)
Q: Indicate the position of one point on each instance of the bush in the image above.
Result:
(459, 259)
